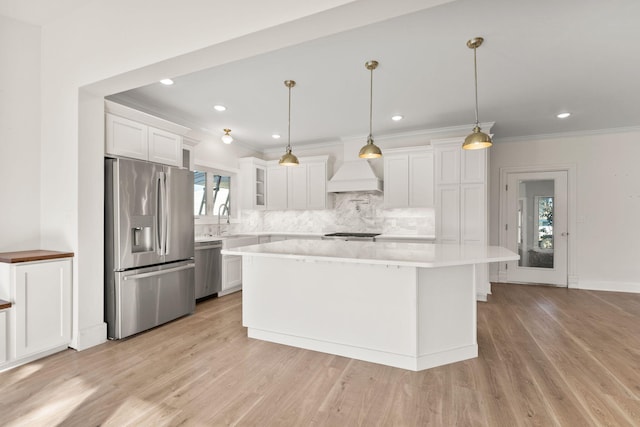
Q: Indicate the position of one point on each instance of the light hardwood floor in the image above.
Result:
(548, 356)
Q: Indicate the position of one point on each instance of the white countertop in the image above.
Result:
(427, 255)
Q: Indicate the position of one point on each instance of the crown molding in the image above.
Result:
(545, 136)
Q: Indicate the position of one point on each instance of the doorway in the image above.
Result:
(536, 226)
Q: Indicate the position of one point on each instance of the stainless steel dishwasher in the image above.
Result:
(208, 268)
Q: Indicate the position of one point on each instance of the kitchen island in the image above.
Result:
(408, 305)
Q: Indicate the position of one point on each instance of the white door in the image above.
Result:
(537, 218)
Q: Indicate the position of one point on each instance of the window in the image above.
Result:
(212, 193)
(545, 222)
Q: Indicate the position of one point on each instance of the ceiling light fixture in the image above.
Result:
(219, 107)
(275, 136)
(166, 82)
(563, 115)
(289, 159)
(397, 118)
(370, 150)
(477, 139)
(226, 138)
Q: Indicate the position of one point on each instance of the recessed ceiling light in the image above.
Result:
(166, 82)
(563, 115)
(275, 136)
(397, 117)
(219, 107)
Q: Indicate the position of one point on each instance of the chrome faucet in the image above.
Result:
(221, 211)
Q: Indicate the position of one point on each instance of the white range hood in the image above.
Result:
(354, 175)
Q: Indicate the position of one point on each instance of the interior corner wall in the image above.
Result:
(607, 233)
(19, 135)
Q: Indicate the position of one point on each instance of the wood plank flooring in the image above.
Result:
(548, 356)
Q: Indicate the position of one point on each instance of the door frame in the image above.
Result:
(570, 169)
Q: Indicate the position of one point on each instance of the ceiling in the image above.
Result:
(538, 59)
(39, 12)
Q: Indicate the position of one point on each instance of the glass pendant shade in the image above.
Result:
(226, 138)
(370, 150)
(477, 139)
(289, 159)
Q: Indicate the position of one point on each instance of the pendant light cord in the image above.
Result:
(289, 124)
(475, 75)
(371, 108)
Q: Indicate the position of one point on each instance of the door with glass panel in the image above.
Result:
(537, 227)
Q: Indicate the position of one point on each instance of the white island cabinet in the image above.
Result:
(408, 305)
(38, 286)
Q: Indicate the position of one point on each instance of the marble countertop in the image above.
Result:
(426, 255)
(309, 234)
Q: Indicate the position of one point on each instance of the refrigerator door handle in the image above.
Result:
(167, 197)
(159, 272)
(159, 213)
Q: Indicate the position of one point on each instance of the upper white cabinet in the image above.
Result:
(253, 183)
(135, 134)
(128, 138)
(298, 187)
(408, 177)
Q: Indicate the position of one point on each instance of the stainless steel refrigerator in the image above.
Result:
(149, 249)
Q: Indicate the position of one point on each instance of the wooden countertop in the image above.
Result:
(33, 255)
(4, 304)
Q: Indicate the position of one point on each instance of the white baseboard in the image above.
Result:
(90, 337)
(481, 297)
(595, 285)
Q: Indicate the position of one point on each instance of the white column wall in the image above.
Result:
(19, 135)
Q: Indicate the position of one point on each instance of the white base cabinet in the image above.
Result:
(231, 274)
(39, 320)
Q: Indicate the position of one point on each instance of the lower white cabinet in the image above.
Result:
(231, 274)
(39, 320)
(4, 334)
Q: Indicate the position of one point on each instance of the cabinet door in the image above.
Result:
(4, 334)
(277, 187)
(126, 138)
(297, 187)
(473, 166)
(231, 271)
(421, 180)
(472, 214)
(260, 182)
(42, 307)
(396, 181)
(165, 147)
(447, 164)
(317, 185)
(448, 214)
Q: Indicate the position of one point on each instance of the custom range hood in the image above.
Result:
(354, 175)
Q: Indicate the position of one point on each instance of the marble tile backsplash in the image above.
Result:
(356, 212)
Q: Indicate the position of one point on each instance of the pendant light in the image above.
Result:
(226, 138)
(289, 159)
(477, 139)
(370, 150)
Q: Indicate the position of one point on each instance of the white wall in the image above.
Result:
(607, 196)
(109, 46)
(19, 135)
